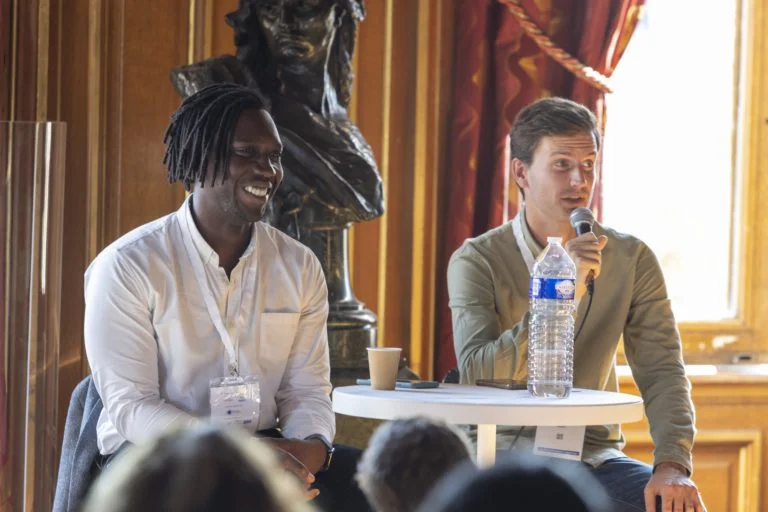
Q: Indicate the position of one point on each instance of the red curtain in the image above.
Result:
(498, 70)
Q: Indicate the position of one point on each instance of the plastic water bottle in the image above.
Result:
(550, 331)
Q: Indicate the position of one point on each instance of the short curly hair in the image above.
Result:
(406, 458)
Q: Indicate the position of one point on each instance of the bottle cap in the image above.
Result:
(554, 240)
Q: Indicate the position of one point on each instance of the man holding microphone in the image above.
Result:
(555, 144)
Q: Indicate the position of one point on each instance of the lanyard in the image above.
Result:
(232, 348)
(524, 249)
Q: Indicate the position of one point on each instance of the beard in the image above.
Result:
(233, 207)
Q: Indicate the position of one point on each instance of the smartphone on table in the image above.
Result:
(503, 383)
(405, 383)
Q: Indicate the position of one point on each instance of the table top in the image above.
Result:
(473, 405)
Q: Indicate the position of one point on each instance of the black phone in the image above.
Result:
(406, 383)
(503, 383)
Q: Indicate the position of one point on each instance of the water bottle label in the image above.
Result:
(558, 289)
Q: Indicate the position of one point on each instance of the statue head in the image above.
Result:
(295, 33)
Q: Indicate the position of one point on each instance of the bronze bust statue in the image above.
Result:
(298, 54)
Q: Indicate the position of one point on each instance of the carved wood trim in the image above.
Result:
(433, 90)
(748, 443)
(97, 12)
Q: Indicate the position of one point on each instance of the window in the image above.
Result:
(671, 165)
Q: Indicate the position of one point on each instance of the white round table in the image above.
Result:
(487, 407)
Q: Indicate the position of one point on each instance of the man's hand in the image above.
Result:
(586, 253)
(311, 453)
(678, 492)
(299, 470)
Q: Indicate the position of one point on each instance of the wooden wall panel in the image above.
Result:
(222, 36)
(729, 454)
(6, 57)
(412, 69)
(372, 101)
(70, 105)
(142, 42)
(727, 465)
(108, 80)
(56, 34)
(19, 59)
(433, 93)
(395, 269)
(25, 61)
(102, 67)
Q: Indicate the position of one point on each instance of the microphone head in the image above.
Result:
(582, 220)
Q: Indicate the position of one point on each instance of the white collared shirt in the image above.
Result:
(153, 347)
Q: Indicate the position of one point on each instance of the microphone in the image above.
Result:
(582, 220)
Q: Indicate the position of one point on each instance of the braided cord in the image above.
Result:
(565, 59)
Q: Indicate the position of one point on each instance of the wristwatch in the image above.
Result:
(328, 447)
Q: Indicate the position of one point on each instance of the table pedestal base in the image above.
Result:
(486, 445)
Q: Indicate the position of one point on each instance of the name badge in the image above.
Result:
(559, 442)
(235, 400)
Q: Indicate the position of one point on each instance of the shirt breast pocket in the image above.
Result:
(278, 334)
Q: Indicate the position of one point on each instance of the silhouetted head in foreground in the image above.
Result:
(196, 470)
(523, 483)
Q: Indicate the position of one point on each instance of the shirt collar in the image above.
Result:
(530, 241)
(206, 252)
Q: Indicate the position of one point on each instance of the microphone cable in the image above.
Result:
(591, 292)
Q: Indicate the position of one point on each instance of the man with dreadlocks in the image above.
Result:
(209, 313)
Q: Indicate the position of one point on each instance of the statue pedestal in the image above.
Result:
(351, 326)
(351, 329)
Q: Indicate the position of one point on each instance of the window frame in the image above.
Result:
(745, 337)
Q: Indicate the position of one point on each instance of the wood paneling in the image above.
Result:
(25, 60)
(373, 78)
(431, 133)
(19, 58)
(6, 57)
(727, 466)
(222, 38)
(71, 106)
(108, 79)
(729, 453)
(395, 269)
(102, 67)
(403, 92)
(138, 101)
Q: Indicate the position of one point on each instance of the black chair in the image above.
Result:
(452, 377)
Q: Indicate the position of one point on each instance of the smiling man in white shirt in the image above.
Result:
(209, 314)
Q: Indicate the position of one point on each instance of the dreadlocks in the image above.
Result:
(201, 132)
